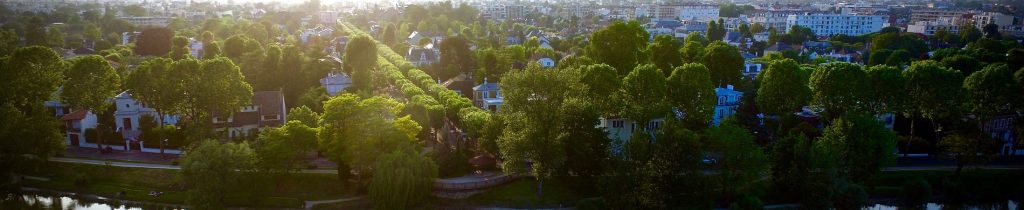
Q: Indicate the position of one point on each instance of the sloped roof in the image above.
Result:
(486, 86)
(77, 115)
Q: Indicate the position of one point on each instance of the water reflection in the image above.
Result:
(1008, 205)
(40, 202)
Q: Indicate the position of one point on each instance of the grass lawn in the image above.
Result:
(107, 181)
(522, 193)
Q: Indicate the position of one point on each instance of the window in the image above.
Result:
(271, 117)
(617, 123)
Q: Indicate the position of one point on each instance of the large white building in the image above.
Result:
(686, 12)
(930, 27)
(834, 24)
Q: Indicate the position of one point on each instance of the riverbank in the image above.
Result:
(107, 181)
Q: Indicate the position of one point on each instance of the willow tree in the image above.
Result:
(355, 131)
(402, 179)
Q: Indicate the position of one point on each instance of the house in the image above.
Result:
(621, 129)
(266, 110)
(461, 84)
(421, 56)
(487, 96)
(75, 124)
(751, 69)
(1002, 128)
(544, 60)
(335, 82)
(778, 47)
(728, 103)
(59, 108)
(415, 37)
(128, 115)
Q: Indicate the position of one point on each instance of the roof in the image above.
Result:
(77, 115)
(539, 56)
(416, 53)
(667, 24)
(270, 102)
(778, 47)
(486, 86)
(734, 36)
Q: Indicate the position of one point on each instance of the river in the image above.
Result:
(40, 202)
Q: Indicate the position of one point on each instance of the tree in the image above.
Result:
(305, 115)
(898, 58)
(220, 86)
(861, 145)
(55, 37)
(356, 131)
(964, 63)
(716, 31)
(643, 94)
(620, 45)
(134, 10)
(840, 88)
(156, 83)
(992, 31)
(455, 57)
(696, 37)
(934, 90)
(690, 90)
(91, 82)
(534, 115)
(969, 33)
(33, 74)
(742, 160)
(403, 179)
(969, 150)
(992, 91)
(665, 53)
(602, 82)
(8, 42)
(692, 52)
(724, 62)
(179, 48)
(213, 169)
(35, 32)
(280, 150)
(360, 59)
(234, 46)
(888, 89)
(878, 57)
(154, 42)
(782, 88)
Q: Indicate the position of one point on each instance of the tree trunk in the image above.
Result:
(906, 149)
(540, 187)
(161, 131)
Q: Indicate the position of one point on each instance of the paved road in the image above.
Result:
(156, 166)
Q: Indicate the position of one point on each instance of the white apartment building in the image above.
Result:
(686, 12)
(775, 18)
(833, 24)
(929, 28)
(148, 21)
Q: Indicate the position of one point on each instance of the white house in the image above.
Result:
(421, 56)
(544, 60)
(75, 125)
(728, 102)
(488, 96)
(335, 82)
(128, 114)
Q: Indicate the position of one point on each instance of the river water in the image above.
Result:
(1008, 205)
(61, 202)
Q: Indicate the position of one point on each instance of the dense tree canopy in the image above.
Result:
(620, 45)
(643, 94)
(154, 42)
(213, 169)
(665, 53)
(360, 60)
(724, 62)
(690, 90)
(91, 82)
(861, 146)
(840, 88)
(782, 88)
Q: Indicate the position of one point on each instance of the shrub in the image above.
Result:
(747, 203)
(916, 191)
(851, 196)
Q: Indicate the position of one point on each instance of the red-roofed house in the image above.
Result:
(75, 125)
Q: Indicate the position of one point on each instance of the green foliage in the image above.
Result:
(620, 45)
(55, 37)
(33, 74)
(690, 90)
(213, 169)
(402, 180)
(283, 149)
(933, 90)
(692, 52)
(782, 88)
(724, 62)
(665, 53)
(643, 94)
(159, 84)
(663, 174)
(154, 42)
(860, 145)
(887, 89)
(963, 63)
(360, 59)
(455, 57)
(716, 31)
(840, 88)
(539, 105)
(896, 41)
(916, 192)
(602, 82)
(742, 161)
(220, 86)
(357, 131)
(91, 82)
(305, 115)
(992, 91)
(969, 149)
